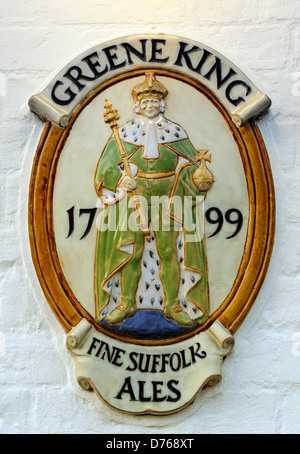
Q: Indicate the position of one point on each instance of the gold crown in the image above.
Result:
(150, 88)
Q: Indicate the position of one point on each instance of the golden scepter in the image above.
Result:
(111, 116)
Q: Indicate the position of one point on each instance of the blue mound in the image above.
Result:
(149, 325)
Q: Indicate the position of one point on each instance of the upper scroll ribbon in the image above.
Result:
(240, 97)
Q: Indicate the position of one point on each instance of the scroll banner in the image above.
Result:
(144, 379)
(100, 64)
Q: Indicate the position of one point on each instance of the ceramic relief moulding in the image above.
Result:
(151, 215)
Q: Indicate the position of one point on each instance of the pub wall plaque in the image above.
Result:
(151, 215)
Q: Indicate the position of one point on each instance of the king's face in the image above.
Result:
(150, 107)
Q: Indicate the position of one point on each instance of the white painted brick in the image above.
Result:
(14, 413)
(290, 265)
(19, 88)
(257, 415)
(222, 13)
(51, 405)
(290, 422)
(31, 358)
(100, 12)
(17, 295)
(278, 10)
(281, 92)
(10, 253)
(253, 46)
(287, 314)
(296, 45)
(262, 363)
(285, 138)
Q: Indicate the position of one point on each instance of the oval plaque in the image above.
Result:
(151, 215)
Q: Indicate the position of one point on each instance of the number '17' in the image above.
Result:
(90, 211)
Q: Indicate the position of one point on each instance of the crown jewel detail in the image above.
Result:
(150, 88)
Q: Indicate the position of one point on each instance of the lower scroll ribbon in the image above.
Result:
(198, 362)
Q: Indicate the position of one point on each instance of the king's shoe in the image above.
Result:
(176, 312)
(121, 312)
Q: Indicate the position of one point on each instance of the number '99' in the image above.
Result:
(215, 216)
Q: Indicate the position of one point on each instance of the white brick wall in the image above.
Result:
(260, 391)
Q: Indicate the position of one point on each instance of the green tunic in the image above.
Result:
(163, 182)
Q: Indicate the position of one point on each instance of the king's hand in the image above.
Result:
(128, 183)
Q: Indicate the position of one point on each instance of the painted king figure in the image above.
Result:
(147, 159)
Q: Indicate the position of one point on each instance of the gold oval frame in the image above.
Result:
(259, 241)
